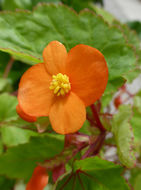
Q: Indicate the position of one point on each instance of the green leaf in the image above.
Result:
(14, 75)
(131, 35)
(79, 5)
(106, 99)
(135, 178)
(95, 164)
(131, 75)
(35, 2)
(137, 101)
(86, 128)
(113, 85)
(3, 84)
(6, 184)
(122, 129)
(135, 25)
(12, 136)
(12, 5)
(1, 147)
(8, 107)
(138, 183)
(16, 4)
(32, 31)
(106, 15)
(136, 123)
(93, 173)
(19, 122)
(19, 161)
(134, 40)
(136, 119)
(4, 58)
(16, 72)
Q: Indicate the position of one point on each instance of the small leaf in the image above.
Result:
(124, 137)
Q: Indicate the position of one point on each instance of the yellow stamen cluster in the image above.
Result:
(60, 84)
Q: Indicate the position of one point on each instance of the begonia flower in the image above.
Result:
(39, 179)
(24, 116)
(63, 86)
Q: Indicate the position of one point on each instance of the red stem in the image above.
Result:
(91, 121)
(100, 144)
(95, 147)
(96, 117)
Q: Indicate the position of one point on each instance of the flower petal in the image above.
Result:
(24, 116)
(55, 56)
(38, 180)
(67, 114)
(34, 96)
(88, 73)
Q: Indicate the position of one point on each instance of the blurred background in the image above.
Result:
(126, 11)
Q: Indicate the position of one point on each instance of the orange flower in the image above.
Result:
(63, 86)
(24, 116)
(38, 180)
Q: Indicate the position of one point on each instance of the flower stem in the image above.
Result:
(97, 119)
(8, 67)
(95, 146)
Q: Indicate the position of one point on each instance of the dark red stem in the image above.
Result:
(96, 117)
(91, 121)
(95, 146)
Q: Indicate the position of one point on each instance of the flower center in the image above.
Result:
(60, 84)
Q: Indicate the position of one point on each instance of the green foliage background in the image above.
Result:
(23, 35)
